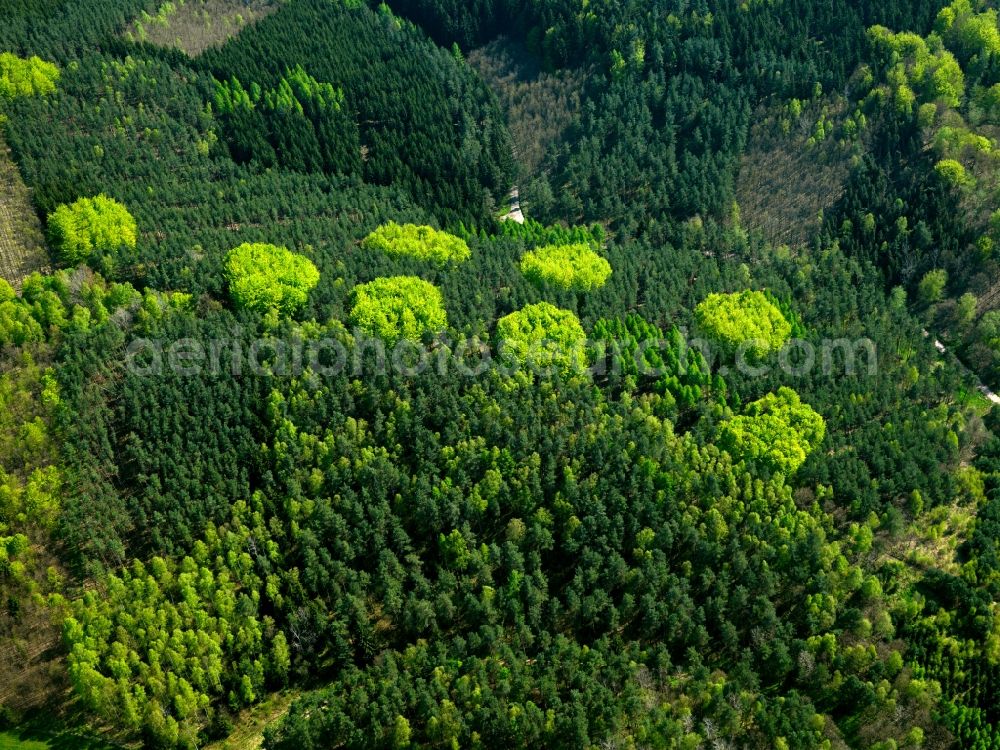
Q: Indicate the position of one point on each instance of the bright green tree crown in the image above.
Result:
(544, 336)
(263, 277)
(30, 77)
(576, 267)
(89, 227)
(779, 431)
(399, 307)
(420, 242)
(743, 319)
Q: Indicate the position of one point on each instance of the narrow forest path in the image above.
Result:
(980, 385)
(514, 212)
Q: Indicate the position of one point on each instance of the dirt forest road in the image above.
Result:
(514, 214)
(982, 387)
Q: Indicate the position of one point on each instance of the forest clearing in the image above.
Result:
(193, 26)
(22, 246)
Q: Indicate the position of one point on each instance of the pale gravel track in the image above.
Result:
(514, 214)
(981, 386)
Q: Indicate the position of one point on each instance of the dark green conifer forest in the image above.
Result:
(340, 416)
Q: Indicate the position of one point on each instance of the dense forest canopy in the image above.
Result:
(319, 431)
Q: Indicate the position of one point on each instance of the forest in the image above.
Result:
(308, 441)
